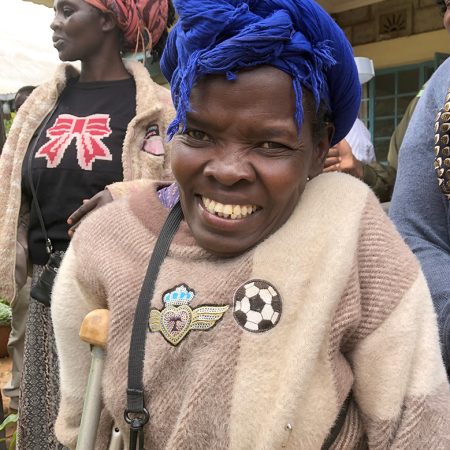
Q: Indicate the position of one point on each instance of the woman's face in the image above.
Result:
(77, 29)
(241, 164)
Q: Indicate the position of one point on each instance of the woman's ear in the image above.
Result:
(109, 21)
(321, 146)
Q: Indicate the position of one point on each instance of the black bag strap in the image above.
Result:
(340, 420)
(136, 414)
(48, 242)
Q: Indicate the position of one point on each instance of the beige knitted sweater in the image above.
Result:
(354, 313)
(153, 106)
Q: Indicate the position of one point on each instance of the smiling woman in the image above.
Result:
(287, 312)
(240, 163)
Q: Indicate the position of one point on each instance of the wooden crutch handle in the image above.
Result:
(94, 328)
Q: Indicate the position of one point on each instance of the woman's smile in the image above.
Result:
(226, 218)
(228, 210)
(240, 164)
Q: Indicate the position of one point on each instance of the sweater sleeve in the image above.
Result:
(400, 386)
(419, 209)
(400, 383)
(124, 188)
(71, 301)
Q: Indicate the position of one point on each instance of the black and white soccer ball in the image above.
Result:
(257, 306)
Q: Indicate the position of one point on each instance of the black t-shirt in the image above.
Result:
(78, 153)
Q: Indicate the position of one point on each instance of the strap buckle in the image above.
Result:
(136, 419)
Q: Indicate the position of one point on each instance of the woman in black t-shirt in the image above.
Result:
(73, 136)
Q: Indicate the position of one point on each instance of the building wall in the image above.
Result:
(406, 50)
(396, 32)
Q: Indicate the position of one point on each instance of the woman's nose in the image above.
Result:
(55, 23)
(229, 167)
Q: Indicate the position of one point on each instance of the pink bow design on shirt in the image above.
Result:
(88, 132)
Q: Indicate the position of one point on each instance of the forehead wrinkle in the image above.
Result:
(246, 125)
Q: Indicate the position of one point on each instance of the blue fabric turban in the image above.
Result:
(295, 36)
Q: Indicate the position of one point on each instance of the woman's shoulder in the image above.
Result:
(338, 193)
(435, 90)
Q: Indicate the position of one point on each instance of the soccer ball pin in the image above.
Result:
(257, 306)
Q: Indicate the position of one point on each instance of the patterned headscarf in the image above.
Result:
(142, 22)
(296, 36)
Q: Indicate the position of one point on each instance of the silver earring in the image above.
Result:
(307, 178)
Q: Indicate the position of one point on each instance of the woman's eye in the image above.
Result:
(197, 135)
(271, 145)
(67, 12)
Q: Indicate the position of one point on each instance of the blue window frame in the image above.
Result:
(386, 97)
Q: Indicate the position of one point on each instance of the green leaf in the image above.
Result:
(12, 444)
(12, 418)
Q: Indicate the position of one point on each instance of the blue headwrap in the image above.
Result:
(295, 36)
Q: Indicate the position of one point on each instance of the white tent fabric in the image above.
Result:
(27, 55)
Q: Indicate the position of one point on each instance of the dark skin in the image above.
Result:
(340, 159)
(242, 150)
(101, 198)
(82, 32)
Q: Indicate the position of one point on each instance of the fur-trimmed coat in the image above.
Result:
(153, 105)
(349, 310)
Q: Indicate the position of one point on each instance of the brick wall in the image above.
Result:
(389, 19)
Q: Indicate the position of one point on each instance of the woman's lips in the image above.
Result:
(228, 211)
(58, 43)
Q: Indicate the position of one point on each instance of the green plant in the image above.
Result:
(8, 123)
(5, 314)
(9, 420)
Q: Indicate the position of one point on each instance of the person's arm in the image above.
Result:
(380, 179)
(418, 208)
(71, 301)
(110, 193)
(399, 132)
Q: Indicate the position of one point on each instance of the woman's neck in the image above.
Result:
(103, 68)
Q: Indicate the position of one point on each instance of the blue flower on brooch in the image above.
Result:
(177, 318)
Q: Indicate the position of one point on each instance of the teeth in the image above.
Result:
(228, 211)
